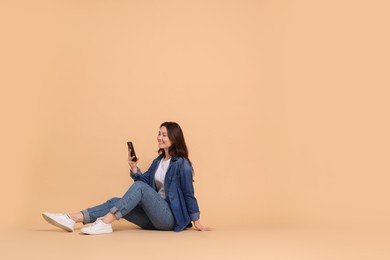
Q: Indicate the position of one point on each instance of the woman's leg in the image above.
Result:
(141, 205)
(138, 216)
(156, 209)
(90, 215)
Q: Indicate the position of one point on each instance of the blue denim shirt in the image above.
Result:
(178, 188)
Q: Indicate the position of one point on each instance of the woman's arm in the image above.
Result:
(187, 188)
(135, 172)
(189, 196)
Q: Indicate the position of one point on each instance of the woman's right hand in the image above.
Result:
(132, 164)
(200, 227)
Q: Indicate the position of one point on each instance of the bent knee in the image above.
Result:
(140, 184)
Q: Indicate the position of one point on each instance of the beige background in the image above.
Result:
(284, 105)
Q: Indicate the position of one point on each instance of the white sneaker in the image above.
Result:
(98, 227)
(60, 220)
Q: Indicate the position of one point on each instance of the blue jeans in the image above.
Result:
(141, 205)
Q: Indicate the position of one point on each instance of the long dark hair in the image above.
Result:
(178, 147)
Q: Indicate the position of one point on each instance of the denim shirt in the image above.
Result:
(178, 187)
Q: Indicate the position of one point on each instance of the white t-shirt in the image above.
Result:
(160, 176)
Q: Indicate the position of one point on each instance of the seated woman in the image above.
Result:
(162, 198)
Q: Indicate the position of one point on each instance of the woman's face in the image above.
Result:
(162, 138)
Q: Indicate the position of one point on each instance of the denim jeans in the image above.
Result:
(141, 205)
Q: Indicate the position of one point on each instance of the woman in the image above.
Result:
(162, 198)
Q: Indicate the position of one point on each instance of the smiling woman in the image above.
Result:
(162, 198)
(163, 139)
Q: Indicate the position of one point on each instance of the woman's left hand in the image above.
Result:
(132, 164)
(200, 227)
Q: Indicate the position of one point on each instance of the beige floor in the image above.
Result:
(128, 242)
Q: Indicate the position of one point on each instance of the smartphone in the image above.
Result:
(132, 151)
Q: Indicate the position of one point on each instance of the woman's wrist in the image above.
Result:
(134, 169)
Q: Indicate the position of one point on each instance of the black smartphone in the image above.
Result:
(132, 151)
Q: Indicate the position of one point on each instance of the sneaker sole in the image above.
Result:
(101, 233)
(55, 223)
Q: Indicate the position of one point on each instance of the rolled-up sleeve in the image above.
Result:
(136, 176)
